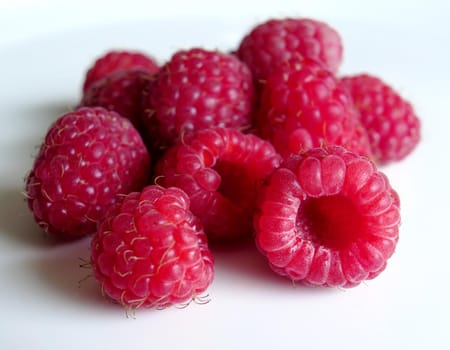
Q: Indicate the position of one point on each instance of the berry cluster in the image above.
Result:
(267, 143)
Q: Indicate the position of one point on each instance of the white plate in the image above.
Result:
(43, 304)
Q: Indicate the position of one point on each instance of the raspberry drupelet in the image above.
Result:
(88, 158)
(303, 106)
(116, 60)
(327, 217)
(390, 121)
(221, 170)
(151, 251)
(197, 89)
(119, 91)
(276, 41)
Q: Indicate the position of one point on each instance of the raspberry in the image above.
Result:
(119, 91)
(117, 60)
(220, 169)
(303, 106)
(279, 40)
(88, 158)
(150, 251)
(197, 89)
(327, 217)
(391, 123)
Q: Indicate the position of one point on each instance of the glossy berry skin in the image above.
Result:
(391, 122)
(327, 217)
(221, 170)
(151, 251)
(115, 60)
(88, 158)
(276, 41)
(119, 91)
(303, 106)
(197, 89)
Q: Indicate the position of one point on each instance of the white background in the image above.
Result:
(45, 48)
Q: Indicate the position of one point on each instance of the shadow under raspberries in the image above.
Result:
(63, 270)
(16, 221)
(243, 260)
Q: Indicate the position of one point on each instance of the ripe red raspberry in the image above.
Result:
(88, 158)
(150, 251)
(220, 169)
(278, 40)
(119, 91)
(327, 217)
(197, 89)
(118, 60)
(391, 123)
(303, 106)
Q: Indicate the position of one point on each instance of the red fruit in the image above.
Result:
(279, 40)
(119, 91)
(150, 251)
(327, 217)
(197, 89)
(303, 106)
(88, 158)
(221, 170)
(118, 60)
(391, 123)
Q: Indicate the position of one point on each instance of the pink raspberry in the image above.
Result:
(118, 60)
(119, 91)
(88, 158)
(197, 89)
(221, 170)
(151, 251)
(327, 217)
(391, 123)
(276, 41)
(303, 106)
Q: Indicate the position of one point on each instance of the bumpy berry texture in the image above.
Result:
(221, 170)
(118, 60)
(303, 106)
(119, 91)
(88, 158)
(328, 217)
(276, 41)
(197, 89)
(391, 123)
(151, 251)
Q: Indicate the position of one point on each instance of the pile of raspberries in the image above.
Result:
(268, 143)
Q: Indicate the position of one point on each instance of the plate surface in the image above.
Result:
(45, 299)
